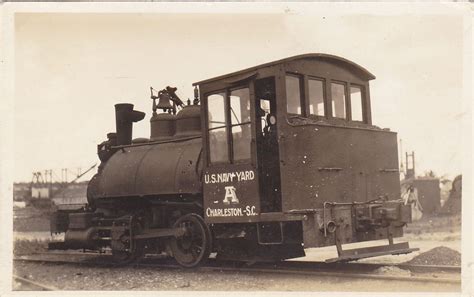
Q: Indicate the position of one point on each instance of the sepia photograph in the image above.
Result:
(236, 147)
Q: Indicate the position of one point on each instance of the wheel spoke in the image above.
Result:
(191, 248)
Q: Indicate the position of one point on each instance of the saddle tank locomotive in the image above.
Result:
(264, 163)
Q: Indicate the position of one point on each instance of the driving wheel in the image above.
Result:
(194, 246)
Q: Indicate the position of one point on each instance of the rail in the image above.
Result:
(34, 286)
(427, 273)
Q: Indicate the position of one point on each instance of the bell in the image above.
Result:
(164, 101)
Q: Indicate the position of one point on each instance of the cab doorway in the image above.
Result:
(268, 160)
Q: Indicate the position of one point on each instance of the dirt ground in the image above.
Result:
(72, 277)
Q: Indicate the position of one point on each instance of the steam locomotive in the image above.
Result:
(264, 163)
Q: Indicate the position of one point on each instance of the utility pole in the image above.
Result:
(402, 170)
(410, 172)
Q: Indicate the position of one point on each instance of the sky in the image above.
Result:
(70, 70)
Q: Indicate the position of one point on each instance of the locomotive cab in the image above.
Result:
(290, 146)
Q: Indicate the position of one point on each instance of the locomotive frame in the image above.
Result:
(277, 158)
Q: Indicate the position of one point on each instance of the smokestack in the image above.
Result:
(125, 116)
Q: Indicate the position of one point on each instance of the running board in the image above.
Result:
(373, 251)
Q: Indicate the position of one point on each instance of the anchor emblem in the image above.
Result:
(230, 195)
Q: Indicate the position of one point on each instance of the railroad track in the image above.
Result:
(25, 284)
(415, 273)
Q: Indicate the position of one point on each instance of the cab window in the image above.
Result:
(229, 126)
(356, 103)
(338, 100)
(240, 123)
(316, 96)
(293, 94)
(217, 128)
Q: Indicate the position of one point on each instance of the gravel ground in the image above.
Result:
(390, 270)
(75, 277)
(438, 256)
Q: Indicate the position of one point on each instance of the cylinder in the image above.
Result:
(81, 239)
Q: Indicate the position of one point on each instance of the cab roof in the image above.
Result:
(364, 73)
